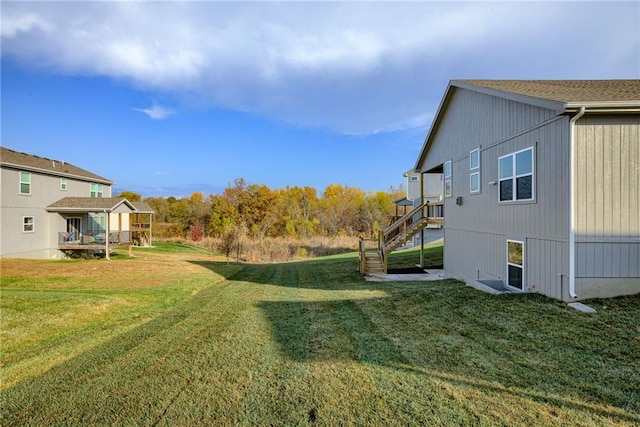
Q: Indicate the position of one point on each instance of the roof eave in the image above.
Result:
(95, 179)
(604, 106)
(531, 100)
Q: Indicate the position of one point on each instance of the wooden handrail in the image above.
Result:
(403, 219)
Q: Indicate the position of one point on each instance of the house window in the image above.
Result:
(474, 166)
(515, 264)
(474, 182)
(96, 190)
(474, 159)
(63, 184)
(414, 178)
(25, 183)
(97, 223)
(28, 223)
(448, 191)
(516, 176)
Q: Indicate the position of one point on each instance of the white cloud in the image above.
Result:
(156, 112)
(351, 67)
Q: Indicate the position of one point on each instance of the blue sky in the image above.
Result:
(168, 98)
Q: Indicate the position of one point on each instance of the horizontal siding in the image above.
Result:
(608, 259)
(608, 196)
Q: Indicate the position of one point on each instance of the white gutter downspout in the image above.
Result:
(572, 204)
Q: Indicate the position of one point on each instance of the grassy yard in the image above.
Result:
(177, 337)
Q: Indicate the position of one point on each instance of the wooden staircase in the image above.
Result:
(374, 252)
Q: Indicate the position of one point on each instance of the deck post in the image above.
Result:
(106, 240)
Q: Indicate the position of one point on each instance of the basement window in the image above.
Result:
(515, 264)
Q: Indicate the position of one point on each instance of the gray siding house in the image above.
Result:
(48, 207)
(541, 184)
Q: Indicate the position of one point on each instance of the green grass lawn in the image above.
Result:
(176, 337)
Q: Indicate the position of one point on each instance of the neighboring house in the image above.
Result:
(48, 207)
(541, 185)
(431, 185)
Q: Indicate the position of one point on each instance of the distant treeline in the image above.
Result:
(262, 212)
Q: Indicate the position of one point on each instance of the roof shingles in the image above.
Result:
(28, 161)
(568, 91)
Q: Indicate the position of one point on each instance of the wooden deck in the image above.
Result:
(374, 252)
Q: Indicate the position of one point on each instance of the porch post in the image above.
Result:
(106, 240)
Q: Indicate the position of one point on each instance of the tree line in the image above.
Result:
(257, 211)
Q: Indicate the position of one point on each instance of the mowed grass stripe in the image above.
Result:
(151, 357)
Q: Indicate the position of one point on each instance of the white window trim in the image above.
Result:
(523, 266)
(514, 177)
(33, 224)
(24, 182)
(97, 187)
(447, 178)
(471, 190)
(471, 167)
(474, 170)
(64, 184)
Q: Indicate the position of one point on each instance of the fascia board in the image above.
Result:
(56, 174)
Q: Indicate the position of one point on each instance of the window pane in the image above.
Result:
(515, 252)
(447, 169)
(475, 182)
(506, 190)
(28, 224)
(506, 167)
(515, 276)
(524, 188)
(447, 188)
(25, 188)
(474, 159)
(524, 162)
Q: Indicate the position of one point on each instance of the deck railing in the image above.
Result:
(93, 238)
(401, 230)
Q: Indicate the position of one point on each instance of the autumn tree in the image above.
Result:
(130, 196)
(160, 206)
(339, 207)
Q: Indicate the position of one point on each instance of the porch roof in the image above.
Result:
(91, 204)
(142, 207)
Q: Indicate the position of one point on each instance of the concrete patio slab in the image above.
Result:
(428, 275)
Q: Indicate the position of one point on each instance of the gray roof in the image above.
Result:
(561, 95)
(566, 91)
(30, 162)
(142, 207)
(89, 204)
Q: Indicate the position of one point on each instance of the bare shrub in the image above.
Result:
(275, 249)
